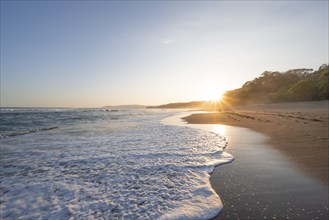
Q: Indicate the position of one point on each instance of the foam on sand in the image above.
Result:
(144, 170)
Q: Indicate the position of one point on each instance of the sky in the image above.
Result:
(97, 53)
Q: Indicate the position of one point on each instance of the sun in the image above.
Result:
(212, 93)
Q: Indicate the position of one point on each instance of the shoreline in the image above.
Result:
(298, 130)
(262, 183)
(266, 181)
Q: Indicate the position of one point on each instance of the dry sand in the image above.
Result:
(299, 130)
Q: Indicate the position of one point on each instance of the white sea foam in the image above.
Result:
(135, 168)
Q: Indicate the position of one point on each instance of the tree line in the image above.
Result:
(291, 86)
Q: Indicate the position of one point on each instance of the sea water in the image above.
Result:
(97, 164)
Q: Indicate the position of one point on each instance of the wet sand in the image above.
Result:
(262, 183)
(280, 173)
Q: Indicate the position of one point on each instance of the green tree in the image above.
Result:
(324, 82)
(304, 90)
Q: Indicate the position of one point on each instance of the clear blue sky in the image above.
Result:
(96, 53)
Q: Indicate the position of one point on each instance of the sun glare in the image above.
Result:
(212, 94)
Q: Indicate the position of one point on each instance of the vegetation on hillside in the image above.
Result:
(291, 86)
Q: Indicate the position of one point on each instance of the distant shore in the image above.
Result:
(299, 130)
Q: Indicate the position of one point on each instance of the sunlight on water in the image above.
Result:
(218, 129)
(177, 120)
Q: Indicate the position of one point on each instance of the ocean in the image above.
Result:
(98, 164)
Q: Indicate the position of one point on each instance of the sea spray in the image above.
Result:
(94, 166)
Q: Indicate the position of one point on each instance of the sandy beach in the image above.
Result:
(299, 130)
(280, 169)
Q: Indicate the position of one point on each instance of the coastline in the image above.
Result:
(298, 130)
(265, 181)
(262, 183)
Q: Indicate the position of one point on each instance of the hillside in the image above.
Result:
(291, 86)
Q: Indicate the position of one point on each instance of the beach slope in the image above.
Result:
(299, 130)
(280, 169)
